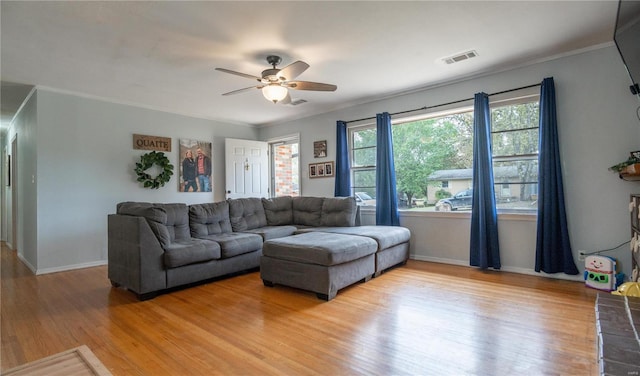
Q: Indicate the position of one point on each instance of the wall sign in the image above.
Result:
(144, 142)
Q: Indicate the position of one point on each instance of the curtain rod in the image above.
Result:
(445, 104)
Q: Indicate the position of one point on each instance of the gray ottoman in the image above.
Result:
(319, 262)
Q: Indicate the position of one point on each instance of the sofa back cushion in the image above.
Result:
(209, 219)
(338, 212)
(278, 210)
(246, 213)
(307, 211)
(169, 222)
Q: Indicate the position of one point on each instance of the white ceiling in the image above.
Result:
(162, 55)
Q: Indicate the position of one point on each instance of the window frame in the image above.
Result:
(515, 97)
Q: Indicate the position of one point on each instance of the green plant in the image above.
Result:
(620, 167)
(146, 162)
(441, 193)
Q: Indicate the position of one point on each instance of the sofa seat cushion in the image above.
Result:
(320, 249)
(385, 236)
(192, 251)
(236, 243)
(273, 232)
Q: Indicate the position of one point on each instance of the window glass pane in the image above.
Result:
(515, 171)
(285, 160)
(515, 116)
(365, 180)
(363, 138)
(515, 142)
(433, 159)
(364, 157)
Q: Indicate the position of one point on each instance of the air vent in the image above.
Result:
(460, 57)
(298, 102)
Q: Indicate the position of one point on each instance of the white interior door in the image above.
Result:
(246, 168)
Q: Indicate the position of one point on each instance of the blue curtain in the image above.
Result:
(386, 197)
(553, 249)
(484, 250)
(342, 170)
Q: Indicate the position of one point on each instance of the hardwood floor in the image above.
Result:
(420, 319)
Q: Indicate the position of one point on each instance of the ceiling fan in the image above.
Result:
(275, 82)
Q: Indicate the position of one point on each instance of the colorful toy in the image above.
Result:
(600, 273)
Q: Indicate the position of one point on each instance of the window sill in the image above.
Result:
(510, 216)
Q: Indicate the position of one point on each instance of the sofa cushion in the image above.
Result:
(307, 210)
(209, 219)
(236, 243)
(279, 210)
(169, 222)
(246, 213)
(320, 249)
(191, 251)
(273, 232)
(338, 211)
(142, 209)
(385, 236)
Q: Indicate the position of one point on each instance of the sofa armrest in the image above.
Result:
(135, 255)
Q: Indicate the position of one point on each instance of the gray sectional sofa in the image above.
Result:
(155, 247)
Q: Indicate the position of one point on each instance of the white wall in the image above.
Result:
(597, 129)
(85, 163)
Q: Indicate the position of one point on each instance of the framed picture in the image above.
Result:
(195, 166)
(320, 149)
(328, 169)
(321, 170)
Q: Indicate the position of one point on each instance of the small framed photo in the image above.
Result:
(328, 169)
(320, 149)
(321, 170)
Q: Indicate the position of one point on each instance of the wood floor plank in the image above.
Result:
(423, 318)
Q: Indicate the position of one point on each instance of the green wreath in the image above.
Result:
(148, 160)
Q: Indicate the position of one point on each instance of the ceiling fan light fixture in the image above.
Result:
(274, 92)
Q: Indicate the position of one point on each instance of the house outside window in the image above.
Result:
(433, 156)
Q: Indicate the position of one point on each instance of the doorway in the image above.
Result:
(284, 165)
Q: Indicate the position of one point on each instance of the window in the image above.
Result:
(285, 167)
(433, 157)
(514, 141)
(363, 164)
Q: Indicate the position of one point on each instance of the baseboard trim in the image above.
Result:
(71, 267)
(512, 269)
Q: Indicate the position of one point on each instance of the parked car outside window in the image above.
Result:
(363, 199)
(460, 201)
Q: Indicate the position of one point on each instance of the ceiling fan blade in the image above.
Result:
(292, 70)
(239, 74)
(307, 85)
(243, 90)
